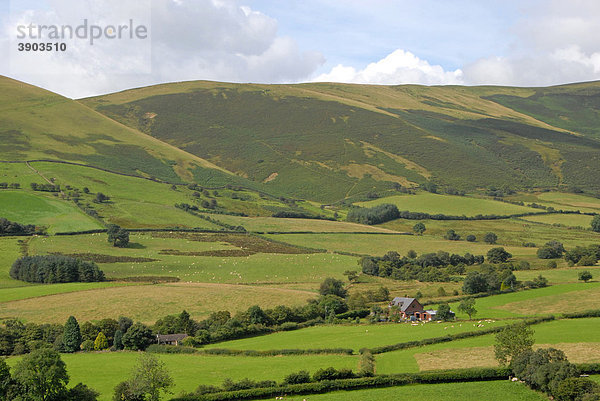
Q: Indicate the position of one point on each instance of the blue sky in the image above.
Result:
(431, 42)
(449, 33)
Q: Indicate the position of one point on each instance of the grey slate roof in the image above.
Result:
(402, 302)
(170, 337)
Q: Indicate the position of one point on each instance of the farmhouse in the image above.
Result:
(410, 308)
(170, 339)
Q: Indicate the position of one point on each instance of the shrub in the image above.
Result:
(298, 377)
(87, 345)
(332, 373)
(471, 238)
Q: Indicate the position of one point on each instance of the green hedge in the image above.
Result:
(583, 314)
(274, 352)
(476, 374)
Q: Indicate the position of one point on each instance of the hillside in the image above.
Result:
(327, 142)
(37, 124)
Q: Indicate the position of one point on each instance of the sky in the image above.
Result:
(430, 42)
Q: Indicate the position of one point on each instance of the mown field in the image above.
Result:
(579, 338)
(103, 371)
(449, 205)
(146, 303)
(548, 300)
(567, 220)
(44, 210)
(489, 391)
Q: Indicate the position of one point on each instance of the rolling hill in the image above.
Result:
(37, 124)
(328, 142)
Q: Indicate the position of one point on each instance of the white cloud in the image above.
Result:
(189, 39)
(555, 42)
(399, 67)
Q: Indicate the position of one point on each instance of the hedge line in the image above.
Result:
(583, 314)
(445, 376)
(277, 352)
(452, 337)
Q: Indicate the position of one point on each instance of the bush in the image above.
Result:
(471, 238)
(87, 345)
(332, 373)
(296, 378)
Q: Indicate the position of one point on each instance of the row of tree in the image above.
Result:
(8, 227)
(580, 255)
(432, 267)
(45, 187)
(6, 185)
(55, 269)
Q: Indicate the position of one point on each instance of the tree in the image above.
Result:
(551, 250)
(452, 235)
(444, 312)
(71, 335)
(596, 223)
(576, 388)
(138, 337)
(81, 392)
(512, 341)
(100, 198)
(585, 276)
(490, 238)
(498, 255)
(42, 374)
(118, 236)
(467, 306)
(471, 238)
(474, 283)
(101, 342)
(351, 274)
(419, 228)
(332, 286)
(5, 379)
(148, 379)
(118, 340)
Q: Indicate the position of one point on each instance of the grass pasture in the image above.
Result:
(372, 244)
(103, 371)
(567, 220)
(44, 210)
(190, 263)
(540, 301)
(10, 251)
(352, 336)
(147, 303)
(449, 205)
(35, 291)
(489, 391)
(266, 224)
(575, 201)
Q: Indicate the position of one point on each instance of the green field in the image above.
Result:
(511, 232)
(477, 351)
(34, 291)
(253, 269)
(352, 336)
(103, 371)
(489, 391)
(554, 299)
(372, 244)
(449, 205)
(10, 251)
(266, 224)
(567, 220)
(149, 303)
(48, 211)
